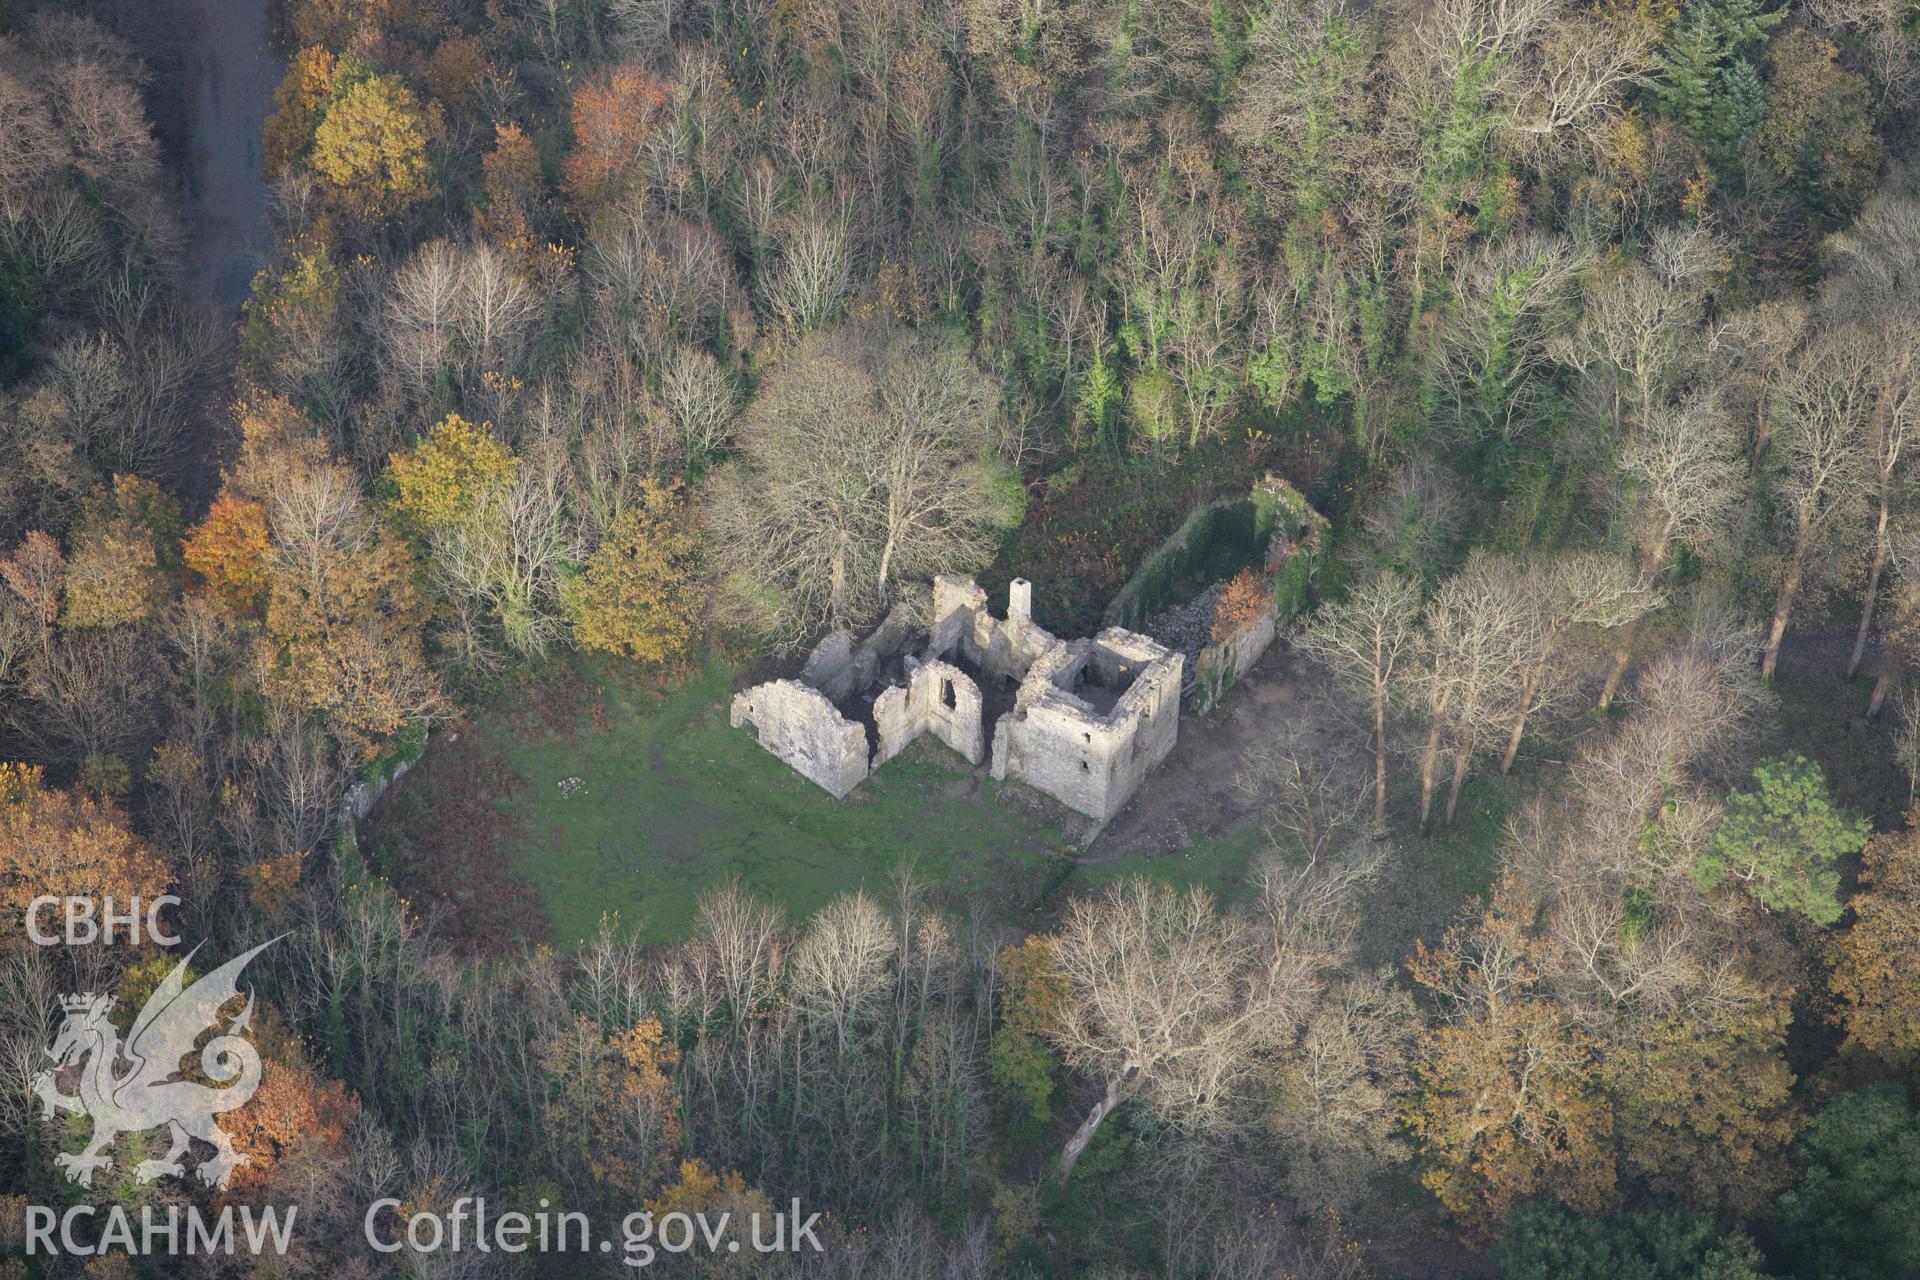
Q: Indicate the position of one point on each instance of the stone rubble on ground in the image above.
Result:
(1187, 628)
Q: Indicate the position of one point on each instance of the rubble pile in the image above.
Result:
(1187, 628)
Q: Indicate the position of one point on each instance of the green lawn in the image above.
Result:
(674, 801)
(1216, 863)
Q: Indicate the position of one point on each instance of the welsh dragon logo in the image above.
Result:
(133, 1088)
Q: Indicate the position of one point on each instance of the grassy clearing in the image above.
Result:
(673, 801)
(1424, 883)
(1218, 863)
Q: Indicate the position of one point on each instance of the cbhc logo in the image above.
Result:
(87, 920)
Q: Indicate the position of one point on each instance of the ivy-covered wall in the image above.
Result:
(1219, 540)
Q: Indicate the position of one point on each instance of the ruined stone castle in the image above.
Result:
(1084, 721)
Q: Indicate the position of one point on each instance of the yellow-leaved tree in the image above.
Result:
(121, 549)
(371, 148)
(229, 550)
(639, 596)
(1875, 959)
(442, 480)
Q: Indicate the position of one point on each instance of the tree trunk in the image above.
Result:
(1460, 759)
(1782, 607)
(1077, 1144)
(1380, 756)
(1622, 655)
(837, 598)
(1528, 690)
(886, 565)
(1882, 685)
(1623, 652)
(1429, 765)
(1873, 588)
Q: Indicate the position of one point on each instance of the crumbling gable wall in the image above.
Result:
(1000, 649)
(838, 667)
(803, 728)
(939, 699)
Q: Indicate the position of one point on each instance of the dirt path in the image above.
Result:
(1192, 794)
(234, 73)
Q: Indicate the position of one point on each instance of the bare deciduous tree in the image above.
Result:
(509, 552)
(92, 691)
(1638, 332)
(841, 964)
(1824, 406)
(864, 462)
(1363, 640)
(1749, 353)
(1473, 654)
(423, 311)
(1873, 295)
(1682, 465)
(1512, 303)
(699, 396)
(496, 308)
(1162, 1002)
(1339, 1089)
(1168, 1001)
(813, 273)
(1567, 591)
(1906, 741)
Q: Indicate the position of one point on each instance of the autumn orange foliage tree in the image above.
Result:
(613, 116)
(228, 550)
(296, 1117)
(63, 843)
(36, 573)
(700, 1190)
(513, 192)
(343, 621)
(1508, 1104)
(1247, 597)
(1876, 958)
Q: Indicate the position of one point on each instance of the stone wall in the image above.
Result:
(831, 667)
(838, 667)
(1001, 649)
(938, 698)
(802, 727)
(1220, 665)
(1058, 742)
(1089, 721)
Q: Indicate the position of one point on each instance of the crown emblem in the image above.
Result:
(82, 1002)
